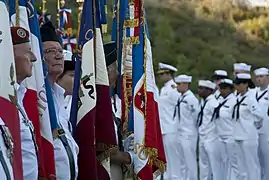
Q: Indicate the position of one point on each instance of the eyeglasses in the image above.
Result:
(53, 51)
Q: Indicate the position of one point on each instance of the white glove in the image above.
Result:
(128, 143)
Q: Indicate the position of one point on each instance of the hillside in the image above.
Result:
(199, 36)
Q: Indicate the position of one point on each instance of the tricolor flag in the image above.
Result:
(35, 100)
(140, 114)
(83, 110)
(104, 121)
(9, 112)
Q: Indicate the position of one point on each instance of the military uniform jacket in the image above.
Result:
(263, 101)
(206, 124)
(167, 107)
(246, 112)
(223, 115)
(187, 113)
(3, 149)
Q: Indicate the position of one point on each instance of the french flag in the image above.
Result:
(83, 110)
(35, 100)
(9, 112)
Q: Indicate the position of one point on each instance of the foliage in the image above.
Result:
(199, 36)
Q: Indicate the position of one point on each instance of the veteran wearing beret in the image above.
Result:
(24, 59)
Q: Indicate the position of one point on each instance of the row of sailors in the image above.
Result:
(61, 67)
(231, 122)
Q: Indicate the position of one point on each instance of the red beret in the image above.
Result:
(19, 35)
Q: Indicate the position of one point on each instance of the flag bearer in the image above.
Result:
(209, 156)
(223, 118)
(120, 156)
(262, 81)
(24, 59)
(217, 77)
(248, 118)
(186, 115)
(65, 147)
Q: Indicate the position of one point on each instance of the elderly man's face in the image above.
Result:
(53, 54)
(24, 58)
(113, 73)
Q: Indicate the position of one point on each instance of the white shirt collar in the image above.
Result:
(57, 90)
(21, 90)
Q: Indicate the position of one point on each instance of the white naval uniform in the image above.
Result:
(169, 128)
(262, 98)
(246, 135)
(3, 148)
(186, 114)
(225, 125)
(209, 155)
(60, 154)
(29, 154)
(217, 95)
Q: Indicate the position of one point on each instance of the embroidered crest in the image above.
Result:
(21, 33)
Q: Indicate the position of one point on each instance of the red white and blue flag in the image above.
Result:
(83, 110)
(142, 115)
(9, 112)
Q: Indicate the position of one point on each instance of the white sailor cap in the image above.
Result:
(166, 68)
(226, 81)
(183, 79)
(67, 55)
(207, 84)
(261, 72)
(243, 76)
(220, 73)
(242, 66)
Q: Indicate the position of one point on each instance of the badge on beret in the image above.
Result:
(21, 33)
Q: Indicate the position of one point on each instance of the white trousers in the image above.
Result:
(264, 155)
(247, 160)
(228, 159)
(188, 158)
(210, 160)
(172, 154)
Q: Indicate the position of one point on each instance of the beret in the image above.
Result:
(19, 35)
(48, 32)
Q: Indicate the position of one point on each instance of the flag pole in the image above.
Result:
(17, 13)
(80, 8)
(58, 13)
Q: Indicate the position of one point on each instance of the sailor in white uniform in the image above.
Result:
(209, 157)
(243, 68)
(262, 81)
(6, 151)
(186, 114)
(217, 77)
(248, 118)
(169, 125)
(223, 118)
(24, 59)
